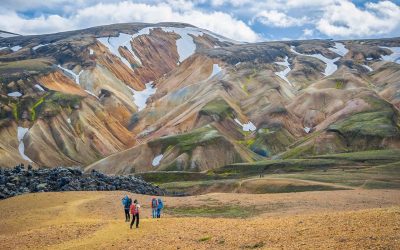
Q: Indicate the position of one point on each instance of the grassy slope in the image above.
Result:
(368, 170)
(250, 185)
(383, 176)
(370, 158)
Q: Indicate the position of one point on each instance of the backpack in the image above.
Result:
(125, 201)
(135, 208)
(154, 203)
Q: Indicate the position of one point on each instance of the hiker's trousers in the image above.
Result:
(154, 212)
(133, 220)
(127, 215)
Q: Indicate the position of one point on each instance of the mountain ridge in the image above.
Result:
(206, 102)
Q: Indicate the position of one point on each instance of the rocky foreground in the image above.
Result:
(21, 180)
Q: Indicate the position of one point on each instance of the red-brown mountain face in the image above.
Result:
(139, 97)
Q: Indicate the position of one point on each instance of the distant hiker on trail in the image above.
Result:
(154, 207)
(159, 207)
(126, 202)
(135, 209)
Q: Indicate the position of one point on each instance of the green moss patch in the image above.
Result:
(264, 186)
(58, 101)
(16, 69)
(15, 110)
(288, 165)
(213, 211)
(256, 245)
(372, 156)
(368, 124)
(378, 184)
(206, 238)
(34, 107)
(188, 141)
(217, 108)
(47, 105)
(202, 186)
(375, 177)
(173, 176)
(270, 141)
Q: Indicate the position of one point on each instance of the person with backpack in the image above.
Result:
(126, 202)
(159, 207)
(154, 206)
(135, 210)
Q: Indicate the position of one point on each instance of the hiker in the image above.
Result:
(159, 207)
(135, 207)
(154, 206)
(126, 202)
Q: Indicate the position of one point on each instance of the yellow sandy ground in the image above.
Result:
(346, 219)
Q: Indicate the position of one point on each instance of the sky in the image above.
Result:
(242, 20)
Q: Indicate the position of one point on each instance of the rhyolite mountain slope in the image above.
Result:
(141, 97)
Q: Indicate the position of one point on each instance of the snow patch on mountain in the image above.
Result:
(156, 160)
(282, 74)
(339, 49)
(71, 74)
(15, 94)
(39, 87)
(330, 68)
(215, 70)
(249, 126)
(16, 48)
(367, 67)
(40, 45)
(91, 93)
(113, 43)
(140, 97)
(185, 44)
(144, 31)
(394, 57)
(21, 147)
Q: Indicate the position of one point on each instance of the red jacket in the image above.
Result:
(134, 208)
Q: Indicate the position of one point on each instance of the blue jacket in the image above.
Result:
(125, 202)
(160, 204)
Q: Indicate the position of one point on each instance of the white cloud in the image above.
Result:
(344, 19)
(126, 11)
(308, 32)
(235, 3)
(332, 18)
(307, 3)
(38, 25)
(231, 18)
(279, 19)
(271, 4)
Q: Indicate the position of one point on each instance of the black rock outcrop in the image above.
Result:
(20, 180)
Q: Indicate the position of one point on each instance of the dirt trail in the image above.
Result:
(94, 220)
